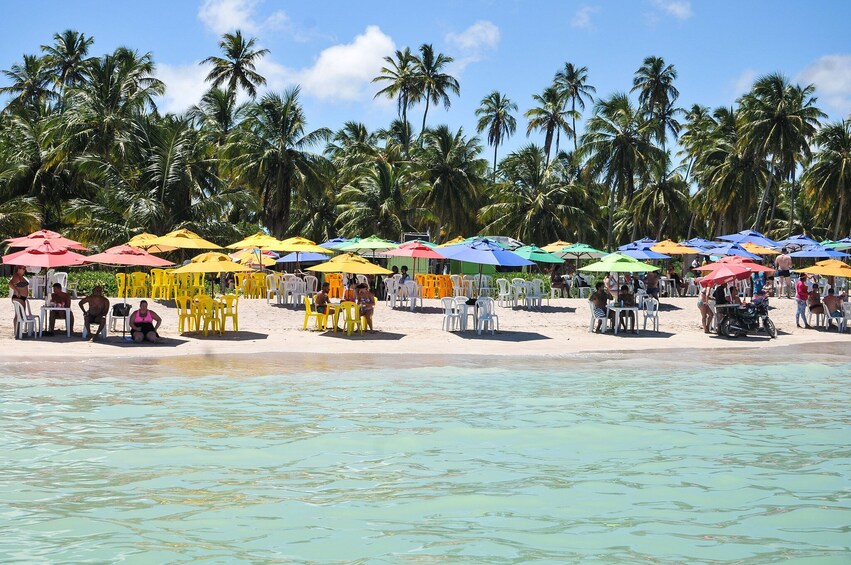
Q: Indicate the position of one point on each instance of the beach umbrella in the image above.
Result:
(350, 263)
(669, 247)
(828, 268)
(759, 249)
(184, 239)
(619, 263)
(144, 241)
(36, 238)
(45, 255)
(298, 245)
(535, 253)
(484, 252)
(643, 253)
(212, 262)
(259, 239)
(750, 236)
(732, 249)
(797, 242)
(699, 242)
(734, 260)
(725, 273)
(556, 246)
(253, 257)
(333, 243)
(580, 251)
(819, 252)
(455, 241)
(844, 243)
(369, 244)
(643, 243)
(302, 257)
(415, 250)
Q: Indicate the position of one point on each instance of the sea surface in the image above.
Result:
(663, 457)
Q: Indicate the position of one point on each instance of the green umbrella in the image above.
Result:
(578, 251)
(535, 253)
(372, 243)
(618, 263)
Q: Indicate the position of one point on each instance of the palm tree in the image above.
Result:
(618, 149)
(572, 83)
(269, 153)
(68, 58)
(434, 84)
(30, 83)
(400, 74)
(378, 201)
(827, 181)
(663, 202)
(454, 179)
(217, 114)
(698, 127)
(495, 117)
(237, 67)
(654, 82)
(778, 121)
(550, 116)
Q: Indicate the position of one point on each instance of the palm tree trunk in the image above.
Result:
(425, 113)
(405, 135)
(611, 216)
(839, 210)
(548, 142)
(573, 116)
(762, 201)
(495, 146)
(792, 202)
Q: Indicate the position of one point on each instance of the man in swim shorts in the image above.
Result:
(96, 314)
(783, 264)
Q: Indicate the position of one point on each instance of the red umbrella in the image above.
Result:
(45, 255)
(127, 256)
(414, 249)
(725, 273)
(738, 261)
(38, 237)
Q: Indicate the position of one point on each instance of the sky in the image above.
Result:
(333, 49)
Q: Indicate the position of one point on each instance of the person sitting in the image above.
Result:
(405, 276)
(96, 314)
(758, 282)
(679, 285)
(832, 307)
(651, 284)
(599, 299)
(320, 301)
(557, 281)
(814, 301)
(631, 284)
(760, 297)
(144, 324)
(627, 300)
(60, 299)
(394, 270)
(735, 298)
(367, 304)
(350, 294)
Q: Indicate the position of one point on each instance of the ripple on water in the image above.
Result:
(495, 461)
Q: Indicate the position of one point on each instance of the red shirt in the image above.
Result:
(802, 292)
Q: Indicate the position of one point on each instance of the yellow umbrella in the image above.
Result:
(259, 239)
(350, 263)
(143, 241)
(556, 246)
(212, 262)
(759, 249)
(455, 241)
(249, 257)
(184, 239)
(296, 245)
(669, 247)
(828, 268)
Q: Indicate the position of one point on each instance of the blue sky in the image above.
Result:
(333, 49)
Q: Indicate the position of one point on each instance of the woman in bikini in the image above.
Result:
(20, 290)
(144, 324)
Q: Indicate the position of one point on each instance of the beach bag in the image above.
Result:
(120, 310)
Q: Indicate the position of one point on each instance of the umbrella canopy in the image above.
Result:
(297, 245)
(36, 238)
(372, 243)
(414, 249)
(128, 256)
(669, 247)
(643, 243)
(302, 258)
(750, 236)
(45, 255)
(619, 263)
(818, 251)
(725, 273)
(259, 239)
(732, 249)
(350, 263)
(212, 262)
(144, 241)
(555, 246)
(643, 253)
(798, 241)
(698, 242)
(759, 249)
(455, 241)
(828, 268)
(253, 257)
(333, 243)
(184, 239)
(484, 252)
(535, 253)
(843, 243)
(580, 251)
(734, 260)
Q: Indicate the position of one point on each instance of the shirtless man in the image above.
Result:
(600, 298)
(783, 264)
(833, 306)
(98, 309)
(59, 298)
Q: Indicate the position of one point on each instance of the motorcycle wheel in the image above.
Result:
(770, 329)
(724, 328)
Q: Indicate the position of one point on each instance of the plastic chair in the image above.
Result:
(582, 291)
(208, 315)
(138, 285)
(320, 319)
(53, 278)
(846, 317)
(352, 318)
(335, 281)
(820, 317)
(311, 285)
(595, 317)
(485, 317)
(272, 289)
(651, 312)
(504, 295)
(464, 312)
(413, 294)
(229, 311)
(121, 283)
(451, 316)
(535, 294)
(186, 317)
(27, 322)
(198, 284)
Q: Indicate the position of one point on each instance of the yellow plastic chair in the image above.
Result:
(186, 318)
(157, 283)
(138, 284)
(197, 283)
(208, 314)
(121, 282)
(258, 285)
(320, 319)
(167, 288)
(352, 319)
(229, 311)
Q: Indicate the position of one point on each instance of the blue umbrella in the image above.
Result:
(333, 243)
(798, 242)
(699, 242)
(484, 252)
(643, 243)
(297, 257)
(750, 236)
(843, 243)
(643, 253)
(818, 251)
(732, 249)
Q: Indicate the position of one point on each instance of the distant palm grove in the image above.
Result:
(84, 150)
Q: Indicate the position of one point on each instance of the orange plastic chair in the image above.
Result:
(335, 280)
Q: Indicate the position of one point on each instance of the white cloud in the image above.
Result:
(582, 18)
(680, 9)
(473, 43)
(832, 76)
(222, 16)
(744, 82)
(184, 86)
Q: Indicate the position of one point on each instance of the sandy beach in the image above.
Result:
(559, 329)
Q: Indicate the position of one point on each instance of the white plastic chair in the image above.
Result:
(457, 285)
(595, 317)
(26, 321)
(484, 286)
(846, 316)
(504, 296)
(518, 289)
(485, 317)
(464, 312)
(651, 312)
(311, 285)
(450, 315)
(535, 294)
(391, 291)
(413, 293)
(61, 278)
(821, 321)
(361, 279)
(693, 288)
(272, 289)
(582, 289)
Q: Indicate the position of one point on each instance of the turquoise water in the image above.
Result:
(490, 461)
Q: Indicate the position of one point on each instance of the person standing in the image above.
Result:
(802, 295)
(20, 286)
(783, 264)
(705, 309)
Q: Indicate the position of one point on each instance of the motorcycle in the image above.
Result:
(747, 318)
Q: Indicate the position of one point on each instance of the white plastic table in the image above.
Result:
(45, 310)
(618, 310)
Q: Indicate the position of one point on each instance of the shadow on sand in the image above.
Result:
(376, 336)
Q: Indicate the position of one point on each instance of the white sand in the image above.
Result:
(560, 329)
